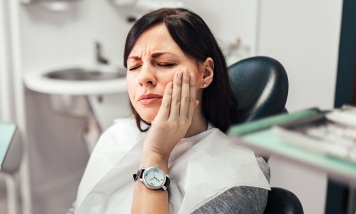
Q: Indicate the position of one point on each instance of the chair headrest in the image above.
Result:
(260, 85)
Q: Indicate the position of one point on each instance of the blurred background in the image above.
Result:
(59, 122)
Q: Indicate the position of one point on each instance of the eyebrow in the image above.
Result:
(154, 55)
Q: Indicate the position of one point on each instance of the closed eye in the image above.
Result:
(162, 64)
(166, 64)
(134, 67)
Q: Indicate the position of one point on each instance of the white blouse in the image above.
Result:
(201, 167)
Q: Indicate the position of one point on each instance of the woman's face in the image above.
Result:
(152, 63)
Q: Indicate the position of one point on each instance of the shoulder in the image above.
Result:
(123, 133)
(238, 199)
(241, 199)
(264, 167)
(123, 125)
(262, 163)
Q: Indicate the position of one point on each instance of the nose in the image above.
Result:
(147, 76)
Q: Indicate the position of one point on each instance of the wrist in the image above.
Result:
(151, 158)
(153, 178)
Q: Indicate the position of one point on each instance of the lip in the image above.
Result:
(147, 99)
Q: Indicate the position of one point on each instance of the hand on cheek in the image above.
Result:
(174, 116)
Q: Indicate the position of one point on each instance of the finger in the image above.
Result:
(176, 95)
(196, 104)
(164, 110)
(185, 95)
(193, 94)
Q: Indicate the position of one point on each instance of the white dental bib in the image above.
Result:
(200, 168)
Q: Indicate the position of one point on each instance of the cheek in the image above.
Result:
(131, 87)
(164, 78)
(165, 81)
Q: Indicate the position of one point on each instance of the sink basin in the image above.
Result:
(77, 80)
(68, 88)
(80, 74)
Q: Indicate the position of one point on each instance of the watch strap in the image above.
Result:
(167, 183)
(139, 174)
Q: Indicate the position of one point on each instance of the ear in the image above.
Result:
(208, 72)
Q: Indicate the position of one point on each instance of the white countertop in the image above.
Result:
(36, 81)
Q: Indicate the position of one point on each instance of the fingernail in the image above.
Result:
(185, 72)
(196, 103)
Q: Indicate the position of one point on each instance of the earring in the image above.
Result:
(205, 85)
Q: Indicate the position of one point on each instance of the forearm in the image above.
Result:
(146, 200)
(149, 201)
(169, 126)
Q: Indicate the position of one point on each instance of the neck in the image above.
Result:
(199, 123)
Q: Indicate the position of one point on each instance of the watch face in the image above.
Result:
(154, 177)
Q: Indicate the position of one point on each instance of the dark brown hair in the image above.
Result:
(194, 37)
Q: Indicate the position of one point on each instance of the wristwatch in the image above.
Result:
(153, 178)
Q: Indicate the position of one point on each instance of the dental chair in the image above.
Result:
(261, 86)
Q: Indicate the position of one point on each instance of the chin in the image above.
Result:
(148, 116)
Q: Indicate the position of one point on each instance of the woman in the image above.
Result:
(182, 162)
